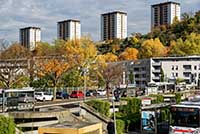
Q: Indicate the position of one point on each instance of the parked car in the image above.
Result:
(43, 96)
(101, 92)
(77, 94)
(62, 95)
(26, 98)
(91, 93)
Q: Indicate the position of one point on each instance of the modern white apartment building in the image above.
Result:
(149, 70)
(29, 36)
(113, 25)
(164, 13)
(69, 29)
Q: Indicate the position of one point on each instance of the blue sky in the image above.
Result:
(16, 14)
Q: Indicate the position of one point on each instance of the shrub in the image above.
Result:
(102, 107)
(130, 113)
(178, 97)
(120, 126)
(158, 98)
(7, 125)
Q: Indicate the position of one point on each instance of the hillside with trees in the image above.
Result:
(179, 39)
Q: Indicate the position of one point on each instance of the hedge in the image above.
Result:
(120, 126)
(178, 97)
(158, 98)
(7, 125)
(102, 107)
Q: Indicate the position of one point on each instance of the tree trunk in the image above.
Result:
(54, 93)
(107, 90)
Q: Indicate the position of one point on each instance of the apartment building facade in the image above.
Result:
(69, 29)
(29, 36)
(149, 70)
(164, 13)
(113, 25)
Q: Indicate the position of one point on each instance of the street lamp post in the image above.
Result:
(85, 83)
(114, 118)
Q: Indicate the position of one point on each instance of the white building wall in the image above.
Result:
(174, 12)
(78, 30)
(74, 30)
(174, 69)
(117, 26)
(34, 37)
(172, 9)
(121, 26)
(124, 34)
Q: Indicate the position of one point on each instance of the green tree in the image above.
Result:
(73, 79)
(15, 51)
(178, 97)
(130, 113)
(191, 46)
(158, 98)
(7, 125)
(44, 49)
(162, 78)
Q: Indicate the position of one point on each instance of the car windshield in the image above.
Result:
(22, 95)
(185, 117)
(74, 92)
(47, 93)
(38, 93)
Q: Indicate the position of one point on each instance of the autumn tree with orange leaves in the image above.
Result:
(53, 69)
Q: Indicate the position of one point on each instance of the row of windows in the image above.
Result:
(185, 74)
(185, 67)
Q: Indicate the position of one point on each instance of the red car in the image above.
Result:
(77, 94)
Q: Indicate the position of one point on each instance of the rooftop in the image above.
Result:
(75, 124)
(30, 28)
(115, 12)
(69, 20)
(164, 3)
(178, 58)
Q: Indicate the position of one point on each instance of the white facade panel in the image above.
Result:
(113, 25)
(164, 13)
(29, 37)
(69, 30)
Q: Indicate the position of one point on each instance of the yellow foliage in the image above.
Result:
(152, 48)
(109, 57)
(129, 54)
(80, 51)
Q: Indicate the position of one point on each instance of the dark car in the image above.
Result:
(91, 93)
(62, 95)
(77, 94)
